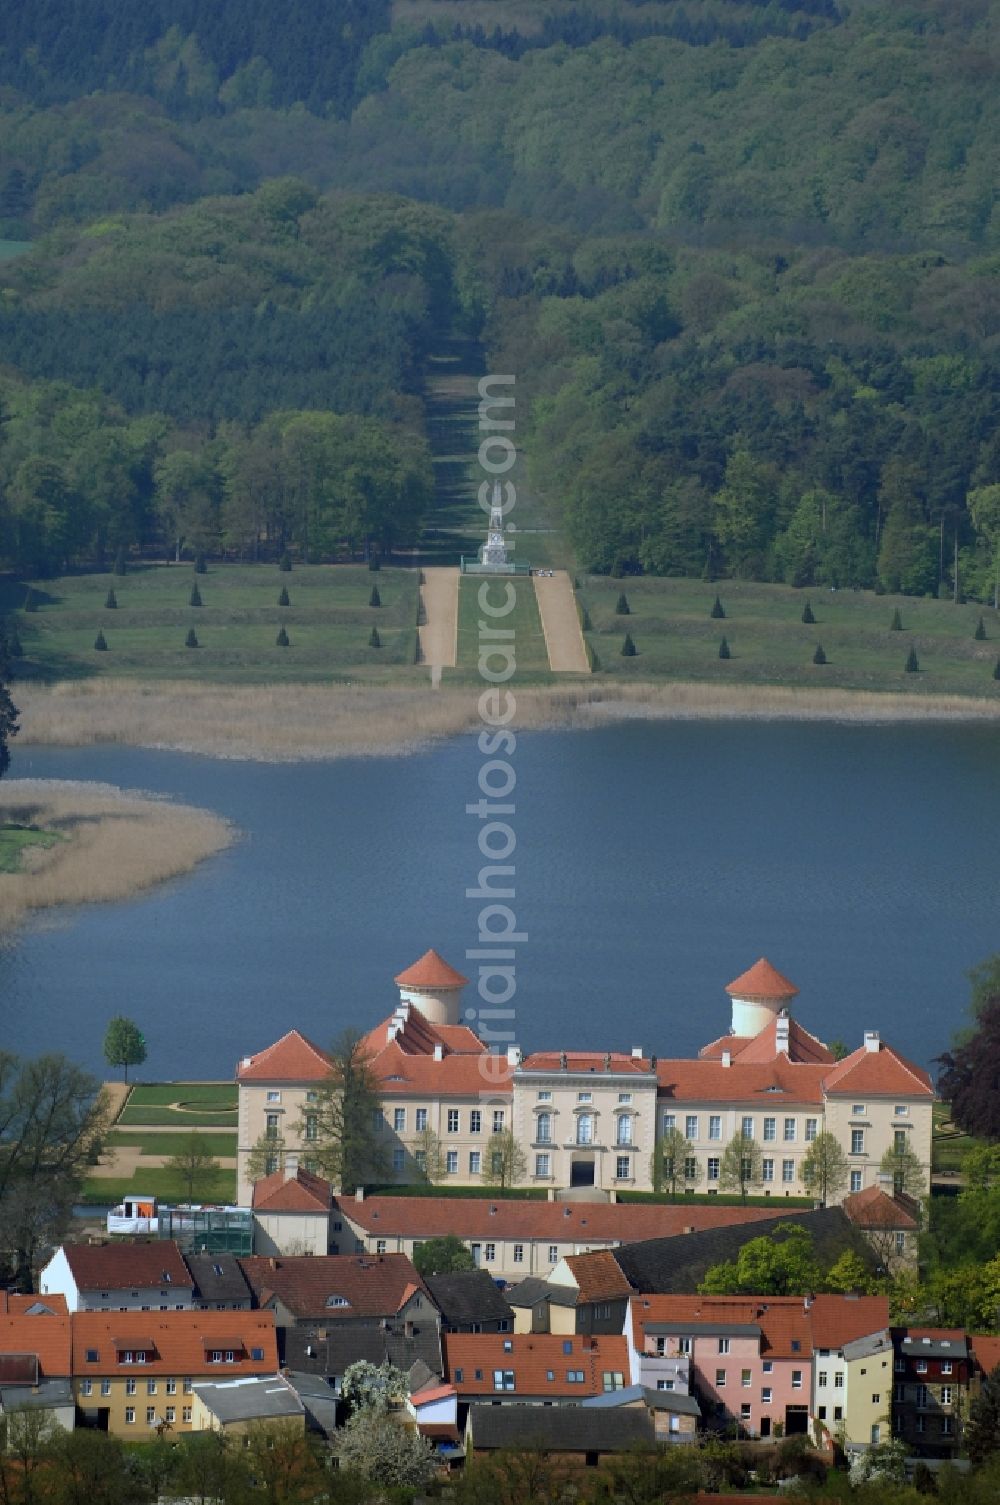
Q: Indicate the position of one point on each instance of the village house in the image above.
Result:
(134, 1372)
(676, 1416)
(852, 1371)
(593, 1118)
(120, 1277)
(932, 1375)
(570, 1435)
(232, 1407)
(36, 1357)
(347, 1290)
(470, 1302)
(538, 1369)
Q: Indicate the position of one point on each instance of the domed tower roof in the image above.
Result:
(431, 971)
(761, 981)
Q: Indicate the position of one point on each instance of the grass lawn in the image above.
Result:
(328, 622)
(207, 1105)
(223, 1094)
(223, 1144)
(780, 1204)
(14, 840)
(198, 1118)
(422, 1189)
(949, 1146)
(676, 637)
(529, 642)
(158, 1182)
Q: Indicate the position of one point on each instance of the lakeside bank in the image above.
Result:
(298, 723)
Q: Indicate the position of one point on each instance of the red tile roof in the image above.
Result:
(836, 1320)
(985, 1351)
(589, 1061)
(779, 1081)
(783, 1320)
(532, 1357)
(47, 1338)
(761, 981)
(432, 1393)
(556, 1222)
(181, 1341)
(882, 1072)
(102, 1267)
(371, 1285)
(876, 1209)
(12, 1304)
(293, 1058)
(802, 1046)
(431, 971)
(598, 1276)
(302, 1192)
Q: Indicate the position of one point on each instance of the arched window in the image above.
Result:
(544, 1128)
(585, 1128)
(624, 1128)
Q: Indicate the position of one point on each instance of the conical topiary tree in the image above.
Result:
(200, 567)
(120, 564)
(191, 641)
(585, 622)
(111, 601)
(195, 597)
(285, 563)
(629, 649)
(101, 643)
(30, 600)
(912, 662)
(374, 599)
(374, 562)
(896, 625)
(622, 608)
(374, 641)
(807, 614)
(980, 632)
(724, 649)
(819, 657)
(282, 639)
(718, 610)
(283, 597)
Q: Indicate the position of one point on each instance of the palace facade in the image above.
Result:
(592, 1118)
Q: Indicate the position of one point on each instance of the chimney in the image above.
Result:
(637, 1052)
(513, 1055)
(359, 1195)
(439, 1051)
(391, 1031)
(272, 1263)
(781, 1033)
(872, 1040)
(887, 1182)
(291, 1165)
(246, 1061)
(807, 1302)
(727, 1059)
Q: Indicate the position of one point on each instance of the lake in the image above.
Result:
(654, 862)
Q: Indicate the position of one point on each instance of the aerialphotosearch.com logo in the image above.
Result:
(498, 936)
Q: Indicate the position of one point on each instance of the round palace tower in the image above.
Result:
(759, 996)
(434, 987)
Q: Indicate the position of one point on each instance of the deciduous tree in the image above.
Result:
(124, 1043)
(443, 1256)
(670, 1162)
(741, 1165)
(824, 1170)
(970, 1074)
(349, 1147)
(504, 1162)
(194, 1166)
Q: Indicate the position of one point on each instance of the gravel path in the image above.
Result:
(561, 624)
(438, 630)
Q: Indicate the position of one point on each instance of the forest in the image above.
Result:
(742, 258)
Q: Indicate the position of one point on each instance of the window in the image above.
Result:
(838, 1380)
(92, 1356)
(130, 1387)
(875, 1433)
(857, 1141)
(684, 1345)
(922, 1394)
(720, 1379)
(475, 1162)
(900, 1393)
(129, 1416)
(765, 1396)
(767, 1170)
(312, 1126)
(553, 1254)
(946, 1426)
(625, 1129)
(585, 1129)
(713, 1168)
(150, 1415)
(811, 1128)
(788, 1170)
(186, 1414)
(475, 1121)
(378, 1122)
(858, 1110)
(746, 1128)
(215, 1357)
(543, 1128)
(821, 1378)
(921, 1366)
(715, 1126)
(745, 1378)
(398, 1121)
(946, 1395)
(855, 1181)
(574, 1376)
(690, 1168)
(187, 1387)
(170, 1415)
(150, 1387)
(459, 1376)
(624, 1097)
(899, 1141)
(946, 1366)
(420, 1159)
(669, 1122)
(745, 1411)
(421, 1119)
(398, 1159)
(796, 1379)
(491, 1253)
(543, 1164)
(901, 1110)
(664, 1384)
(613, 1379)
(519, 1254)
(105, 1387)
(273, 1096)
(171, 1385)
(921, 1423)
(838, 1413)
(723, 1345)
(380, 1246)
(789, 1130)
(585, 1097)
(545, 1096)
(767, 1366)
(503, 1379)
(271, 1125)
(451, 1162)
(87, 1387)
(770, 1130)
(453, 1120)
(498, 1120)
(623, 1167)
(691, 1126)
(876, 1400)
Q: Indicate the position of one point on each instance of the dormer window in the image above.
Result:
(337, 1301)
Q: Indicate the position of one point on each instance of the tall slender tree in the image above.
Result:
(349, 1146)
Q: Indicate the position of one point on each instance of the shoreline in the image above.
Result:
(304, 723)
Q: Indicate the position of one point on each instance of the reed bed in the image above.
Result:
(116, 843)
(290, 723)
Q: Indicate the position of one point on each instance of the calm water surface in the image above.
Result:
(655, 861)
